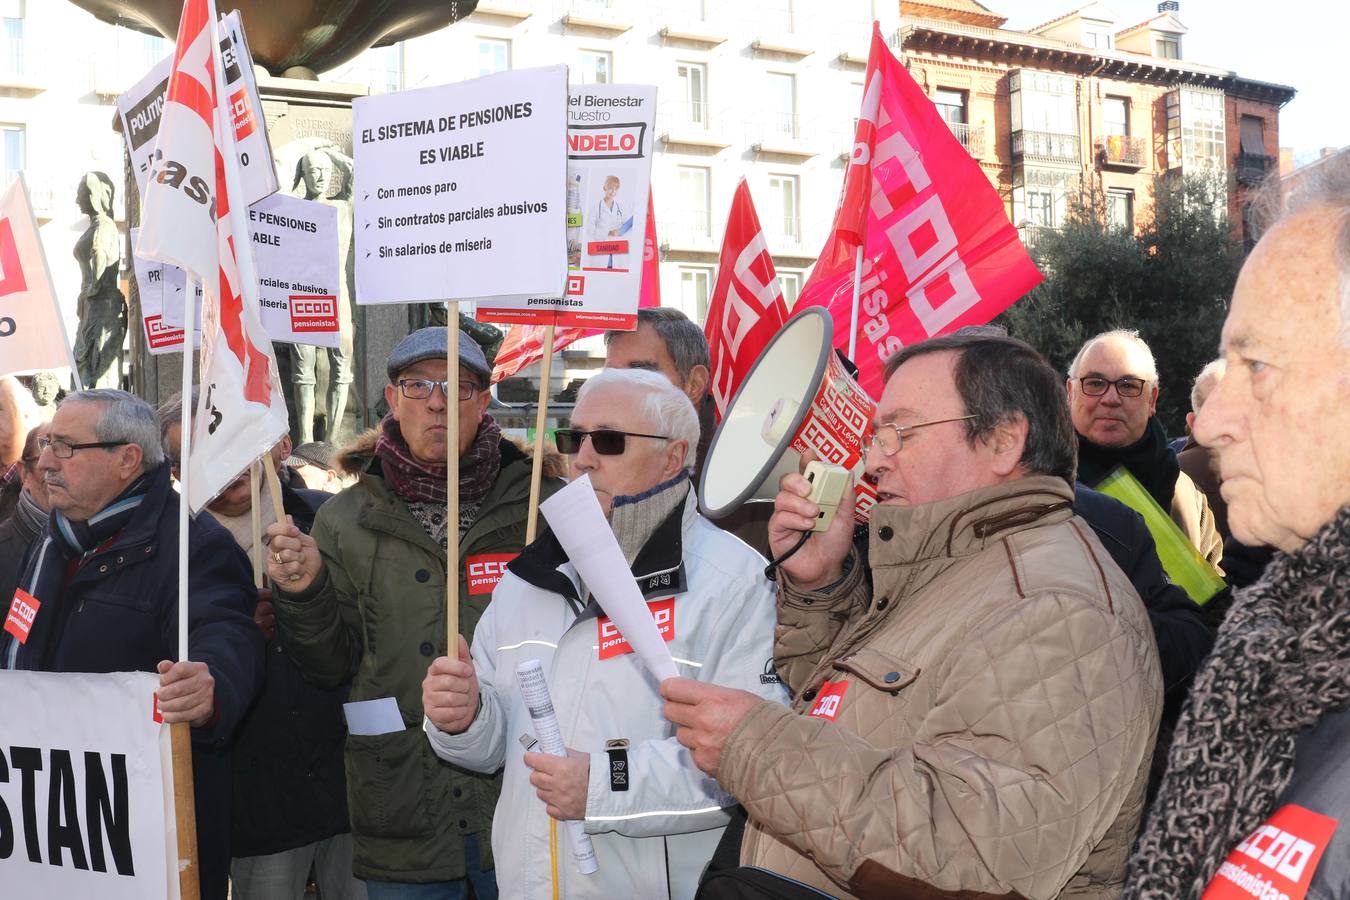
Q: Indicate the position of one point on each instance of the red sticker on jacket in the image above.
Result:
(22, 611)
(612, 641)
(485, 570)
(1277, 860)
(154, 710)
(828, 700)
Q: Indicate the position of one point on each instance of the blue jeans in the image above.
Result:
(484, 883)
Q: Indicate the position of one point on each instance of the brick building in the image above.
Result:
(1081, 103)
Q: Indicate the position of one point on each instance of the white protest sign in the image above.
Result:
(87, 804)
(459, 189)
(151, 277)
(295, 247)
(32, 331)
(609, 166)
(141, 105)
(578, 522)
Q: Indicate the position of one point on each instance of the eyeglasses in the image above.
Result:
(604, 441)
(1126, 385)
(890, 437)
(421, 388)
(65, 450)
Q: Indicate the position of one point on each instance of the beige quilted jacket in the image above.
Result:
(997, 699)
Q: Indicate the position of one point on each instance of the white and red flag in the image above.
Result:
(193, 218)
(746, 308)
(32, 331)
(524, 344)
(939, 251)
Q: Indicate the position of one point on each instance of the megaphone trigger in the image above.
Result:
(828, 484)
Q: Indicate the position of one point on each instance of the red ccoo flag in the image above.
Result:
(938, 250)
(524, 344)
(747, 308)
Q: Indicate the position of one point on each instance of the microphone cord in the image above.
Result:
(775, 563)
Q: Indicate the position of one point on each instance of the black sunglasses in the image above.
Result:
(605, 441)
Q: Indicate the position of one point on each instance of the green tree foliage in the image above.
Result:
(1171, 282)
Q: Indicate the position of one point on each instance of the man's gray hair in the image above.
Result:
(666, 408)
(125, 418)
(1125, 335)
(1323, 183)
(1205, 381)
(683, 339)
(170, 413)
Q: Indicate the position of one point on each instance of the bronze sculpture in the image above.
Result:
(102, 309)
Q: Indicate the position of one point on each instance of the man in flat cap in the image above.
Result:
(363, 599)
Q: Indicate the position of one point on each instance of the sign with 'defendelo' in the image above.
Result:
(86, 804)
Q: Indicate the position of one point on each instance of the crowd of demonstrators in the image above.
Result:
(977, 691)
(633, 434)
(1262, 750)
(18, 416)
(105, 574)
(289, 809)
(363, 601)
(1113, 394)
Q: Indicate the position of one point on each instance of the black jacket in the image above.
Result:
(14, 541)
(119, 613)
(289, 786)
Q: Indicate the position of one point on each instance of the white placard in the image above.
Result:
(460, 189)
(152, 283)
(609, 165)
(295, 246)
(88, 794)
(580, 526)
(141, 105)
(371, 717)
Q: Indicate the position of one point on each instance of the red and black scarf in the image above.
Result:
(419, 483)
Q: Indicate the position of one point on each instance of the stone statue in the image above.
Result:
(325, 174)
(102, 308)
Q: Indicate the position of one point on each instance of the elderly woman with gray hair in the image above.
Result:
(1256, 800)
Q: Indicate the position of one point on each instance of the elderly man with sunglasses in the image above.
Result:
(363, 600)
(653, 817)
(1113, 395)
(976, 691)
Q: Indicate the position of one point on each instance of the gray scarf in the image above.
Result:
(1280, 664)
(31, 517)
(635, 518)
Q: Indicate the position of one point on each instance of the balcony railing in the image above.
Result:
(1252, 167)
(1123, 151)
(1045, 146)
(970, 136)
(687, 228)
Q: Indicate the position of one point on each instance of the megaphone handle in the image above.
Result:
(773, 564)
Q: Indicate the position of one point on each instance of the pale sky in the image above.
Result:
(1300, 43)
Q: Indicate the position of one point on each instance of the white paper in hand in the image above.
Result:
(580, 526)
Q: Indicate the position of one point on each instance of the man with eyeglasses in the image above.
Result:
(363, 600)
(977, 690)
(103, 577)
(654, 819)
(1113, 395)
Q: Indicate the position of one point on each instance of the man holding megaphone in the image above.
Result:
(976, 691)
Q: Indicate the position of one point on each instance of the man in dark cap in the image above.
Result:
(363, 599)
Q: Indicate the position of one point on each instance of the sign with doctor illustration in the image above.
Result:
(609, 161)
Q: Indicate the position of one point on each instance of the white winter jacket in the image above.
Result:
(653, 839)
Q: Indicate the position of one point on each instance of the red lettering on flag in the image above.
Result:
(23, 610)
(484, 570)
(1279, 859)
(11, 269)
(613, 643)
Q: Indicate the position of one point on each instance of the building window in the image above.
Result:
(1253, 136)
(493, 56)
(693, 78)
(778, 15)
(951, 105)
(1167, 46)
(784, 215)
(694, 201)
(1097, 37)
(781, 99)
(15, 153)
(1195, 129)
(791, 285)
(11, 15)
(595, 67)
(1116, 115)
(1120, 209)
(1040, 208)
(695, 288)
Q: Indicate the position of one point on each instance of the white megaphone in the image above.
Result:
(797, 397)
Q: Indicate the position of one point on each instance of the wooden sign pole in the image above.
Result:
(452, 482)
(540, 420)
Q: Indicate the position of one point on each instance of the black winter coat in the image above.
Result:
(290, 789)
(119, 613)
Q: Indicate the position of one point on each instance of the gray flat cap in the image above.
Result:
(430, 343)
(315, 453)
